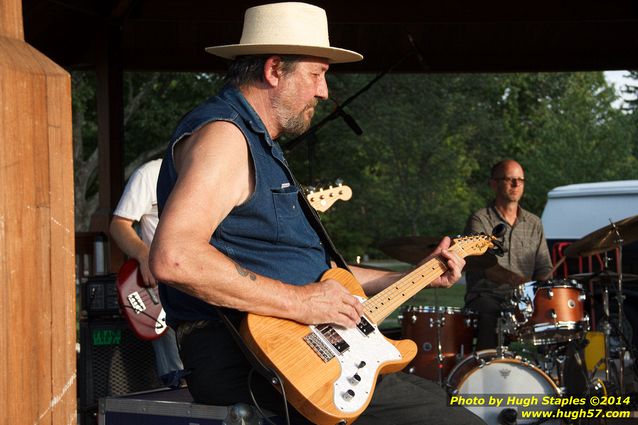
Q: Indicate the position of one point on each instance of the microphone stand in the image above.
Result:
(339, 109)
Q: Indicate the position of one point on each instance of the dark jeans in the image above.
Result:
(219, 372)
(488, 309)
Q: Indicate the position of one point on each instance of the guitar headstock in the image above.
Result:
(323, 199)
(479, 244)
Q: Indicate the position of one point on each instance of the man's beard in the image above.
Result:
(294, 125)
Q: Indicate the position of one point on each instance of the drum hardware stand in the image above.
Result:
(439, 348)
(560, 368)
(606, 326)
(620, 298)
(501, 348)
(595, 369)
(606, 319)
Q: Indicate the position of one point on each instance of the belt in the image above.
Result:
(185, 328)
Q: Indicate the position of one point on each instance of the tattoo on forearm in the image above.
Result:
(244, 272)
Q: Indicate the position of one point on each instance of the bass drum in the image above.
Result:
(506, 378)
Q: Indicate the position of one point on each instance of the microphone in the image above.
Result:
(348, 119)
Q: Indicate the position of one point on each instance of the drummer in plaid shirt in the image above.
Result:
(526, 255)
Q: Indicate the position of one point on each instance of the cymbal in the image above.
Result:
(604, 239)
(409, 249)
(604, 276)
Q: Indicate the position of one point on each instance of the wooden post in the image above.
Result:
(37, 279)
(110, 116)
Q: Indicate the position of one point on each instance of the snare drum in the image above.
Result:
(484, 373)
(454, 328)
(558, 313)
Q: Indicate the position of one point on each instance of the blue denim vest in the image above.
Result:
(268, 234)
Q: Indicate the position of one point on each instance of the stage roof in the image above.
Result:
(450, 36)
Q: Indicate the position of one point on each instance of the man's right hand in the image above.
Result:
(145, 270)
(327, 302)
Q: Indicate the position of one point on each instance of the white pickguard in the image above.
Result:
(374, 350)
(161, 323)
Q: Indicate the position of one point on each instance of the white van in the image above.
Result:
(576, 210)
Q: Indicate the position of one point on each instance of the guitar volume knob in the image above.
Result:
(355, 379)
(348, 395)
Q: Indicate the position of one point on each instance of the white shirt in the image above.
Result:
(139, 200)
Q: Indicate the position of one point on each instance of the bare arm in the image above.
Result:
(215, 175)
(128, 240)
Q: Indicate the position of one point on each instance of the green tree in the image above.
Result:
(410, 168)
(153, 104)
(564, 130)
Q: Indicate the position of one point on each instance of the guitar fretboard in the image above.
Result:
(385, 302)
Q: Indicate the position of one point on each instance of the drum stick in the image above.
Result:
(558, 263)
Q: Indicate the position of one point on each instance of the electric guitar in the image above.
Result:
(323, 199)
(329, 372)
(140, 305)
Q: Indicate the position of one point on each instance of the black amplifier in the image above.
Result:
(99, 297)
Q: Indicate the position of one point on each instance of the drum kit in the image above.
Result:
(546, 344)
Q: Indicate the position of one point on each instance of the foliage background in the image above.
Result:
(421, 165)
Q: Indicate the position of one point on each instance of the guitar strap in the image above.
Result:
(313, 217)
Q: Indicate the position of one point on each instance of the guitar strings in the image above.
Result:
(145, 296)
(380, 306)
(388, 300)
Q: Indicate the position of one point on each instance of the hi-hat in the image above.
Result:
(409, 249)
(605, 239)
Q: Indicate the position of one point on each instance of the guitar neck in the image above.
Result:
(380, 306)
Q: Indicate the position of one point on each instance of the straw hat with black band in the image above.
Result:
(289, 28)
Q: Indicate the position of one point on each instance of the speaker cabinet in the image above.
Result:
(112, 361)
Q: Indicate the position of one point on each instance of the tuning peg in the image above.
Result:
(498, 249)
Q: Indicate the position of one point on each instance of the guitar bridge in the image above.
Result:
(136, 302)
(319, 347)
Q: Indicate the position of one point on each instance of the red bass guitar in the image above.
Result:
(140, 305)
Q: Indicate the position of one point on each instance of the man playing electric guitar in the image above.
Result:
(233, 233)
